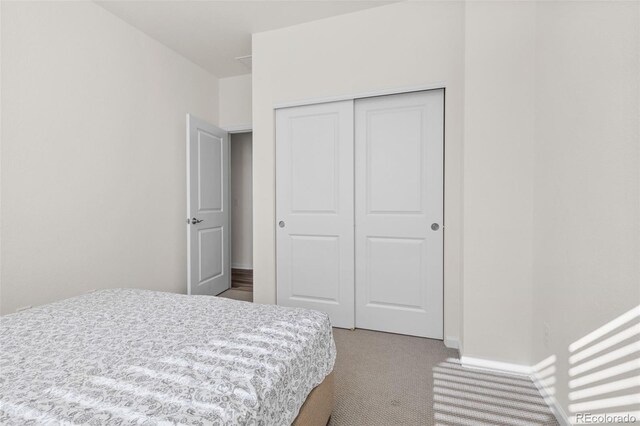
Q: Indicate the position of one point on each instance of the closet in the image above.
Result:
(359, 209)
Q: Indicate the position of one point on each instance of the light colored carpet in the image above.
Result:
(388, 379)
(385, 379)
(232, 293)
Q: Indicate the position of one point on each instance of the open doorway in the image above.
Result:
(241, 191)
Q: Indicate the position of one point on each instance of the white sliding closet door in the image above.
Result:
(399, 190)
(314, 209)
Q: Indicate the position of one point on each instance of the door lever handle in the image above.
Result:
(194, 221)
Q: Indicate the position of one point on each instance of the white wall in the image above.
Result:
(241, 201)
(494, 59)
(93, 153)
(404, 44)
(587, 180)
(498, 180)
(235, 102)
(545, 97)
(1, 80)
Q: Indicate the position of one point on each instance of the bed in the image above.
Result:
(125, 356)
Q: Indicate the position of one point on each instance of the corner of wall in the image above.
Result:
(549, 398)
(498, 180)
(109, 117)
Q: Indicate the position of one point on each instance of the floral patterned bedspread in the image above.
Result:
(138, 357)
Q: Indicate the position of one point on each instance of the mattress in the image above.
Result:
(124, 356)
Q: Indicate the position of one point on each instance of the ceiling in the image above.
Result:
(213, 33)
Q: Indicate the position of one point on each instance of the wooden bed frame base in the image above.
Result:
(317, 409)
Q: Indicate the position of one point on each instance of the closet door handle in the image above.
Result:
(281, 224)
(435, 226)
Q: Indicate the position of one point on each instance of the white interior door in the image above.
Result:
(208, 247)
(314, 209)
(399, 211)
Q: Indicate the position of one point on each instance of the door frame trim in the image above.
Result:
(188, 169)
(241, 128)
(360, 95)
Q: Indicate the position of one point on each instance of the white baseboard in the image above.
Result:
(240, 266)
(552, 402)
(452, 342)
(497, 366)
(520, 370)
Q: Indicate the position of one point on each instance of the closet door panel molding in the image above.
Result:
(314, 209)
(398, 189)
(359, 188)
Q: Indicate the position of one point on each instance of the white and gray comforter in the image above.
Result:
(136, 357)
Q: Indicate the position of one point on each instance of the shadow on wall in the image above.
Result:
(469, 396)
(604, 372)
(604, 384)
(545, 374)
